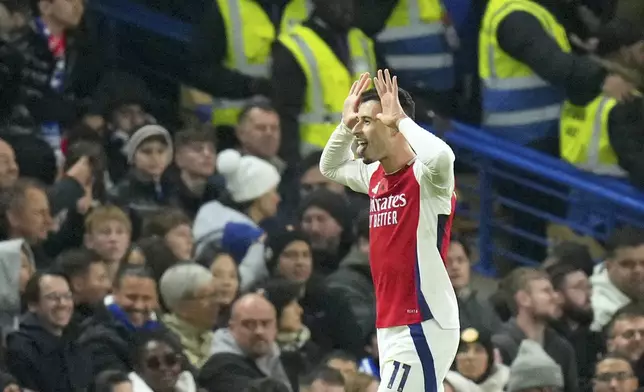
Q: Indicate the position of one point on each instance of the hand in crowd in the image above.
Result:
(82, 172)
(615, 86)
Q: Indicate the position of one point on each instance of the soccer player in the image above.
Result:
(408, 174)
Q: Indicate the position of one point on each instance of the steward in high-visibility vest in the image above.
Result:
(584, 137)
(327, 79)
(249, 36)
(517, 103)
(414, 41)
(415, 44)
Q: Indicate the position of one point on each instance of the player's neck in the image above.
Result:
(533, 328)
(395, 162)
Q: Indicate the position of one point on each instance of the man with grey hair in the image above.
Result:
(189, 292)
(246, 350)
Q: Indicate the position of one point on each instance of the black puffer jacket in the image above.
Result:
(26, 97)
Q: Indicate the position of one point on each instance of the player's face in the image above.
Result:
(372, 135)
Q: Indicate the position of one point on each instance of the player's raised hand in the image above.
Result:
(387, 87)
(350, 110)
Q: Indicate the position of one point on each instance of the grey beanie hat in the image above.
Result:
(533, 368)
(143, 133)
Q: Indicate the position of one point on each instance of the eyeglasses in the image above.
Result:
(169, 360)
(608, 377)
(58, 297)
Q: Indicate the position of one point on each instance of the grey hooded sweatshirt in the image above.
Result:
(10, 265)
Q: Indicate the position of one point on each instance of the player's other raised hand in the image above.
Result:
(387, 87)
(350, 109)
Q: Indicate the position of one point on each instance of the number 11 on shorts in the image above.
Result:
(403, 380)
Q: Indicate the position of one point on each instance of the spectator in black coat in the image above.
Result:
(109, 334)
(42, 354)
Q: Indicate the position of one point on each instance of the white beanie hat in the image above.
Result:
(247, 177)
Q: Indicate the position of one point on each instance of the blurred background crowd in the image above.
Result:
(165, 226)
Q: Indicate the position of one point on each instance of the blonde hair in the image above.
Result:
(359, 382)
(102, 214)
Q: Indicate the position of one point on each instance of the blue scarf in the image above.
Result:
(123, 318)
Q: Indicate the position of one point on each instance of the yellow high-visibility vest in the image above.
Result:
(328, 80)
(249, 38)
(584, 138)
(517, 103)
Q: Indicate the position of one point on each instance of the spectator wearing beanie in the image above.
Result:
(141, 192)
(326, 218)
(252, 184)
(475, 369)
(353, 279)
(299, 353)
(327, 314)
(534, 369)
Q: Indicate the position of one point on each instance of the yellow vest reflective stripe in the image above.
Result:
(584, 137)
(328, 80)
(517, 103)
(415, 46)
(249, 36)
(295, 12)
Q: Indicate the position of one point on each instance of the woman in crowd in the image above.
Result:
(252, 186)
(475, 367)
(159, 365)
(225, 271)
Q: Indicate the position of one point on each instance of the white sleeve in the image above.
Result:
(436, 156)
(337, 162)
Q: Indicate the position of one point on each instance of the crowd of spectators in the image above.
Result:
(143, 250)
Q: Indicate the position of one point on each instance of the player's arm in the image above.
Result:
(337, 161)
(436, 156)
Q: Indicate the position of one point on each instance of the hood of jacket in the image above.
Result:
(356, 259)
(10, 265)
(496, 382)
(31, 330)
(185, 383)
(211, 221)
(224, 343)
(606, 298)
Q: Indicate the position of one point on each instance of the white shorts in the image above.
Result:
(416, 358)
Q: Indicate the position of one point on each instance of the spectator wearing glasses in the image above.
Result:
(614, 374)
(159, 365)
(41, 354)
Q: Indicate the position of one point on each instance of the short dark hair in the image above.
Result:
(627, 312)
(339, 354)
(626, 237)
(559, 271)
(265, 385)
(455, 238)
(92, 150)
(32, 289)
(160, 223)
(261, 103)
(328, 375)
(158, 255)
(106, 380)
(143, 337)
(76, 262)
(406, 101)
(137, 271)
(201, 134)
(574, 253)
